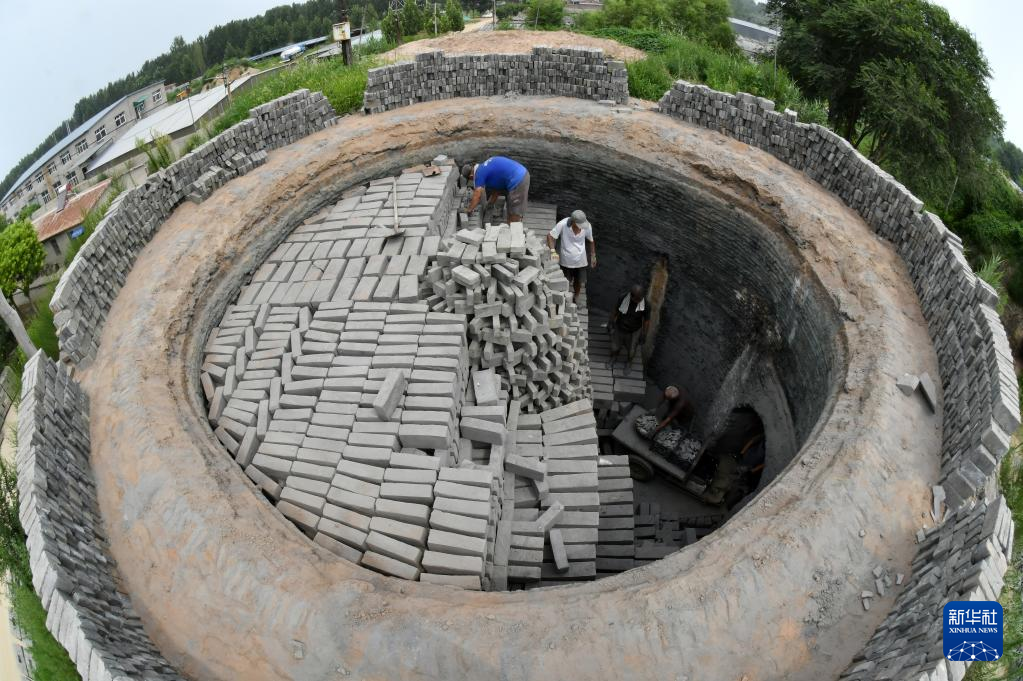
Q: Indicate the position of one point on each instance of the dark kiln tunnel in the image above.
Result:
(742, 323)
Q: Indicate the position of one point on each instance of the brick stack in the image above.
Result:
(88, 287)
(960, 308)
(72, 572)
(521, 322)
(562, 71)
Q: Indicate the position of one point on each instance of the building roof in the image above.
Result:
(166, 121)
(270, 53)
(71, 137)
(56, 222)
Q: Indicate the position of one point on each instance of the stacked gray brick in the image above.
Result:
(961, 560)
(88, 287)
(980, 409)
(72, 570)
(563, 71)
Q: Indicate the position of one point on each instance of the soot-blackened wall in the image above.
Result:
(733, 278)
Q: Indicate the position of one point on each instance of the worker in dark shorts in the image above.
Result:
(495, 176)
(629, 324)
(572, 238)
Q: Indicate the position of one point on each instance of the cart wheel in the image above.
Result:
(640, 469)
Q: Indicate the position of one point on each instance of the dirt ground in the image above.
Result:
(229, 589)
(510, 42)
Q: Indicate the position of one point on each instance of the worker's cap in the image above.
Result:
(671, 392)
(579, 218)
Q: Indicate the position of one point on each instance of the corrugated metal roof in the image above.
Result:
(167, 121)
(76, 133)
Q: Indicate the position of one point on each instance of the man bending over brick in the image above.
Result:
(574, 238)
(499, 175)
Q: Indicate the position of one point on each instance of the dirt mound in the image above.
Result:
(510, 42)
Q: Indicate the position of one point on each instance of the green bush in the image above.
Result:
(508, 10)
(546, 14)
(649, 78)
(342, 85)
(41, 329)
(453, 20)
(673, 57)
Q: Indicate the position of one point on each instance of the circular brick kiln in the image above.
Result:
(772, 233)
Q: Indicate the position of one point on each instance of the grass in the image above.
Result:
(1011, 664)
(342, 85)
(52, 662)
(671, 57)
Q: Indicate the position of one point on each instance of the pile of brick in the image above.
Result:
(216, 176)
(88, 287)
(548, 531)
(972, 348)
(522, 321)
(72, 571)
(347, 251)
(563, 71)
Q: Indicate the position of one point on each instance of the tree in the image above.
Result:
(705, 20)
(26, 211)
(453, 20)
(750, 10)
(391, 26)
(545, 13)
(21, 258)
(903, 81)
(413, 19)
(1010, 157)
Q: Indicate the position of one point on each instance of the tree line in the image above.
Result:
(184, 61)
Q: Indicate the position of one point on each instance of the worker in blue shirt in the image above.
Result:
(499, 175)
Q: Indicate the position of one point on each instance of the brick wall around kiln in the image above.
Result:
(981, 400)
(563, 71)
(71, 568)
(966, 556)
(89, 286)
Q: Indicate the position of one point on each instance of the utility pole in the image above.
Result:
(227, 88)
(435, 18)
(494, 18)
(346, 33)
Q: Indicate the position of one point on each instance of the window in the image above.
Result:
(82, 146)
(119, 119)
(28, 185)
(157, 95)
(51, 168)
(72, 178)
(140, 108)
(44, 196)
(101, 132)
(39, 177)
(65, 158)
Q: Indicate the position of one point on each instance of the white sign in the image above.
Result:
(342, 31)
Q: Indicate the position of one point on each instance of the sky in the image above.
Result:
(59, 51)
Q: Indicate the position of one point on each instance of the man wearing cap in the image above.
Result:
(576, 248)
(499, 175)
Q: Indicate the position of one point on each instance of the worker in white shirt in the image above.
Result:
(573, 239)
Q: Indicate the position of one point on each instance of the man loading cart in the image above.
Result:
(495, 176)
